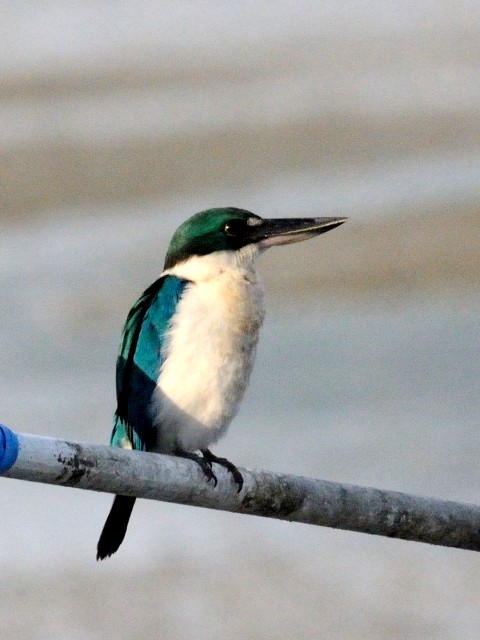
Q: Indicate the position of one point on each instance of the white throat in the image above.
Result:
(200, 268)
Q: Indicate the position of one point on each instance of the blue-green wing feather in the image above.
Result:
(140, 359)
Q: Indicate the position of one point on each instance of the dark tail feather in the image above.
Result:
(115, 526)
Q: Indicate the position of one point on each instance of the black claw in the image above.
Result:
(207, 470)
(209, 458)
(205, 465)
(238, 478)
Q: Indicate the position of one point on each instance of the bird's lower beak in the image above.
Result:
(276, 231)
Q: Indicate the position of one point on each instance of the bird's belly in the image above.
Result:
(209, 356)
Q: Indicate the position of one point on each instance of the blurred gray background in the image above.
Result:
(120, 119)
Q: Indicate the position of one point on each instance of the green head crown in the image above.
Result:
(212, 230)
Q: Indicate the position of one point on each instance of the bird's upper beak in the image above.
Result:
(276, 231)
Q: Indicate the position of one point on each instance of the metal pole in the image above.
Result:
(265, 493)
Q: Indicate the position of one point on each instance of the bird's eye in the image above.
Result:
(235, 228)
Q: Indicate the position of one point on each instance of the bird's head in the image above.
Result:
(230, 229)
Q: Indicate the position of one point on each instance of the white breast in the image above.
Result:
(209, 351)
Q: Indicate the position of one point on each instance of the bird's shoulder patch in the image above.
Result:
(140, 358)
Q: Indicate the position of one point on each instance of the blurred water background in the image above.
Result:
(117, 121)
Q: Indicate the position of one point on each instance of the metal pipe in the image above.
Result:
(264, 493)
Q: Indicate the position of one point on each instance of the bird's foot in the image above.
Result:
(203, 463)
(209, 458)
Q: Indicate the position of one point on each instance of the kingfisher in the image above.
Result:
(189, 342)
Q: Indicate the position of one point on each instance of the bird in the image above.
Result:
(188, 344)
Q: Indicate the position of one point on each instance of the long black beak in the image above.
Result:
(275, 231)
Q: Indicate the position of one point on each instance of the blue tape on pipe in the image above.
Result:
(8, 448)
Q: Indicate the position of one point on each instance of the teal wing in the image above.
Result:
(140, 359)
